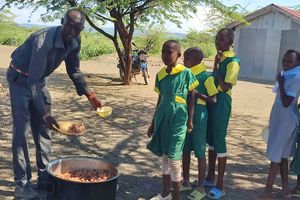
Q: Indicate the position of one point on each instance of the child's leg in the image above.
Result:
(221, 171)
(284, 177)
(186, 160)
(166, 175)
(201, 173)
(175, 166)
(212, 157)
(267, 193)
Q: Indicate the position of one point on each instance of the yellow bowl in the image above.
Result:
(105, 111)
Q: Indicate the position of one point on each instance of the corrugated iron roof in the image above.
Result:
(272, 7)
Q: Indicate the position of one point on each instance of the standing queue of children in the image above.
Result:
(193, 109)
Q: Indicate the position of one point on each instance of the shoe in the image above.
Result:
(159, 197)
(25, 192)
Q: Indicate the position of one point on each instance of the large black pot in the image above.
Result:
(61, 189)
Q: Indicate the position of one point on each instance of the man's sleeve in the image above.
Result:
(36, 68)
(72, 65)
(232, 73)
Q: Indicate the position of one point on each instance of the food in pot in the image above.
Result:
(86, 175)
(76, 128)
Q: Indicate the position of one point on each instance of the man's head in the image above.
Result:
(192, 57)
(72, 24)
(171, 51)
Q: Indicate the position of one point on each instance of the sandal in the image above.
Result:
(196, 195)
(215, 193)
(295, 192)
(182, 188)
(208, 183)
(159, 197)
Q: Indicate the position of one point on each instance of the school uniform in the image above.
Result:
(296, 167)
(219, 113)
(196, 140)
(170, 118)
(284, 121)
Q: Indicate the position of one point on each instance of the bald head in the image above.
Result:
(75, 16)
(72, 24)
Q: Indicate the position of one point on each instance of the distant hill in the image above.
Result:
(108, 30)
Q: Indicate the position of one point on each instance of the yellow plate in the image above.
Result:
(105, 111)
(265, 134)
(64, 127)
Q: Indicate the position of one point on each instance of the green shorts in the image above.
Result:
(196, 140)
(218, 119)
(296, 167)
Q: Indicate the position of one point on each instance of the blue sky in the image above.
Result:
(195, 23)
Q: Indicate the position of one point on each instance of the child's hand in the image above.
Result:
(150, 131)
(280, 78)
(218, 59)
(190, 126)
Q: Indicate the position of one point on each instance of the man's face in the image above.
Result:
(72, 26)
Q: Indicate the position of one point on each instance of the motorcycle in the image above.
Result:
(138, 65)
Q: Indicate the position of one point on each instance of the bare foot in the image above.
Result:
(264, 196)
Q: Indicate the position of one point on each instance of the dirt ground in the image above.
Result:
(121, 138)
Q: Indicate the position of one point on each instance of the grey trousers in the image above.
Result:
(25, 117)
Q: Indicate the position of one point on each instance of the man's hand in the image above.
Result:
(95, 102)
(51, 123)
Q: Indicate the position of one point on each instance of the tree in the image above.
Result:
(124, 15)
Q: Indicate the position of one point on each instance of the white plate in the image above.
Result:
(265, 134)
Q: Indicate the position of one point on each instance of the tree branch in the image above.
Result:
(97, 28)
(105, 18)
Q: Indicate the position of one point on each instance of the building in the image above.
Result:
(261, 45)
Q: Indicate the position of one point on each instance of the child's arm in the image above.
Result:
(286, 100)
(191, 109)
(208, 99)
(151, 128)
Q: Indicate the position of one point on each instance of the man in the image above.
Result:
(31, 63)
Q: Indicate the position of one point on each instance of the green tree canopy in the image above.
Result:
(125, 15)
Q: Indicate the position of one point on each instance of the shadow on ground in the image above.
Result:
(121, 140)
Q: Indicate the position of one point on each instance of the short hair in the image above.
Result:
(82, 15)
(171, 42)
(295, 52)
(196, 52)
(228, 32)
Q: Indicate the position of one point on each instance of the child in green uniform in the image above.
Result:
(226, 69)
(196, 140)
(168, 129)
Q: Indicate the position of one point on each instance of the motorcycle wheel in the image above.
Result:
(121, 72)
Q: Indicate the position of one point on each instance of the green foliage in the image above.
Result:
(94, 45)
(204, 40)
(151, 41)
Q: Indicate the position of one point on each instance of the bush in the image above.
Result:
(92, 44)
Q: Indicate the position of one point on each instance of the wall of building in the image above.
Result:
(259, 53)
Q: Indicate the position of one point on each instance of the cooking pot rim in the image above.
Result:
(52, 162)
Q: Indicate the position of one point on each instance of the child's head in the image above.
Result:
(171, 51)
(192, 56)
(290, 59)
(224, 39)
